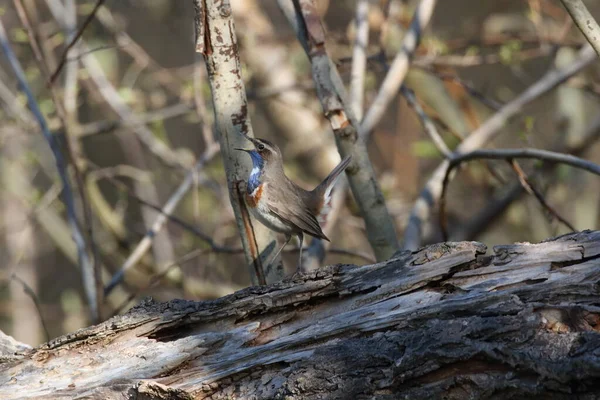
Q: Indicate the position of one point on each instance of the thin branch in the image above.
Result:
(500, 39)
(67, 195)
(530, 188)
(303, 18)
(359, 58)
(157, 277)
(126, 43)
(144, 245)
(509, 155)
(161, 114)
(115, 101)
(428, 124)
(462, 60)
(524, 184)
(466, 60)
(90, 279)
(477, 94)
(162, 245)
(496, 207)
(63, 58)
(395, 76)
(264, 93)
(430, 195)
(585, 22)
(315, 255)
(198, 252)
(123, 170)
(29, 291)
(80, 164)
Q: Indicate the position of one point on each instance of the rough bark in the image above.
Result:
(445, 321)
(379, 226)
(216, 40)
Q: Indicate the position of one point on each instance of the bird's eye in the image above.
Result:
(260, 147)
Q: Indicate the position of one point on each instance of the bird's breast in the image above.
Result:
(254, 197)
(261, 211)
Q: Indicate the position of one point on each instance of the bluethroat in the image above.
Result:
(281, 205)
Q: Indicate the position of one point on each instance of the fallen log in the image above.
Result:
(445, 321)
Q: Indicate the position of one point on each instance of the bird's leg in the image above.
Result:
(300, 241)
(287, 240)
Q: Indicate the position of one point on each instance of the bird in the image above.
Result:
(281, 205)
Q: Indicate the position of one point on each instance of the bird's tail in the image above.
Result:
(325, 188)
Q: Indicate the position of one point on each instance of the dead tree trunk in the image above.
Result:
(445, 321)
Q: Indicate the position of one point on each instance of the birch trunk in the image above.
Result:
(216, 41)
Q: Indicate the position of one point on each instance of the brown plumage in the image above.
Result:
(279, 203)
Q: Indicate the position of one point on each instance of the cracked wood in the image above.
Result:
(447, 320)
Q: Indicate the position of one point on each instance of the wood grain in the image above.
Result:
(444, 321)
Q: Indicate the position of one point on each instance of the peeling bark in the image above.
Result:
(445, 321)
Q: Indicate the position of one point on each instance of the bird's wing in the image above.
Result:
(299, 217)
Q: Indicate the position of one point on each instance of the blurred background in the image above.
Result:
(138, 113)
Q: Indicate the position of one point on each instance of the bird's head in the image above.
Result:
(263, 153)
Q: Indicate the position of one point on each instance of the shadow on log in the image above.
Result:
(445, 321)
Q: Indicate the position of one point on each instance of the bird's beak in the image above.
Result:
(247, 150)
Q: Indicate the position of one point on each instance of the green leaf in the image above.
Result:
(425, 149)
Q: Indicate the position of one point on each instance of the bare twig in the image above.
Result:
(29, 291)
(380, 229)
(198, 252)
(162, 245)
(528, 186)
(487, 131)
(67, 195)
(525, 184)
(76, 149)
(510, 154)
(428, 124)
(63, 58)
(485, 100)
(144, 245)
(12, 106)
(399, 67)
(359, 58)
(466, 60)
(124, 170)
(493, 209)
(114, 100)
(500, 39)
(585, 22)
(462, 60)
(157, 277)
(316, 251)
(143, 60)
(106, 126)
(90, 279)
